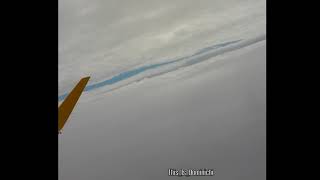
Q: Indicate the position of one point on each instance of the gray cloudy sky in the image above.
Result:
(104, 37)
(208, 115)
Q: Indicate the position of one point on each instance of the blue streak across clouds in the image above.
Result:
(130, 73)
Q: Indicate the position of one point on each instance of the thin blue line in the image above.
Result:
(131, 73)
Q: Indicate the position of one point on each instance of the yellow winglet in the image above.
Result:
(69, 103)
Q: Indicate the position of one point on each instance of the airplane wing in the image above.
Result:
(69, 103)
